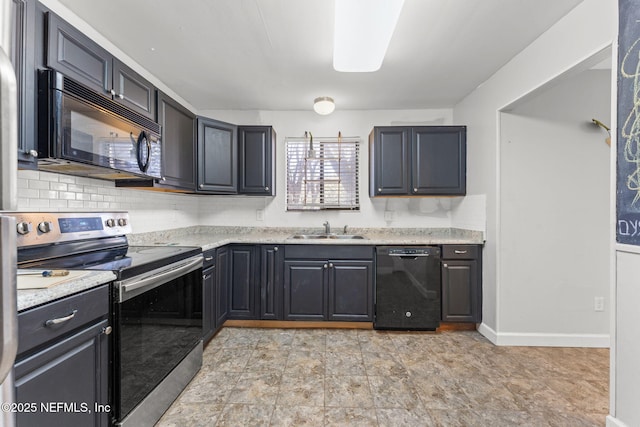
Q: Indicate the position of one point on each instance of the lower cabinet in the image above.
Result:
(243, 282)
(63, 362)
(461, 283)
(336, 288)
(221, 297)
(271, 284)
(209, 304)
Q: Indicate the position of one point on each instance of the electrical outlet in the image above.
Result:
(598, 303)
(259, 214)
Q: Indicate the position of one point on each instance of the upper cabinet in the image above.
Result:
(256, 160)
(178, 144)
(418, 161)
(217, 157)
(80, 58)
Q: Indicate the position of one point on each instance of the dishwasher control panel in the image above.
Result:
(424, 251)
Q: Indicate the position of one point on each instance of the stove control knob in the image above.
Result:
(45, 226)
(110, 222)
(23, 228)
(122, 222)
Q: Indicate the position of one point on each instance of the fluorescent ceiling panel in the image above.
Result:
(363, 29)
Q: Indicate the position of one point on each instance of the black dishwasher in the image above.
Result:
(407, 288)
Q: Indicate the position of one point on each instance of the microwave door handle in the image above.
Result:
(143, 143)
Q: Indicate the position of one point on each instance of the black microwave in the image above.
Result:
(80, 132)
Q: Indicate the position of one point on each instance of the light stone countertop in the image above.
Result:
(213, 237)
(28, 298)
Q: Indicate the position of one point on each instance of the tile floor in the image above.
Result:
(329, 377)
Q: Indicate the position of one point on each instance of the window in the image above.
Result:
(322, 173)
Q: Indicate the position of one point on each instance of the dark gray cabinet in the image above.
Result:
(217, 157)
(256, 160)
(178, 144)
(271, 282)
(417, 161)
(351, 290)
(80, 58)
(23, 61)
(222, 286)
(305, 290)
(461, 283)
(243, 282)
(65, 362)
(209, 294)
(328, 283)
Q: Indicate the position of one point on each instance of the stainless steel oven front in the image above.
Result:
(158, 339)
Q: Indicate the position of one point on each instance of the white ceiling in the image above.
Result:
(277, 54)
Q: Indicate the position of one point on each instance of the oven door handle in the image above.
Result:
(159, 279)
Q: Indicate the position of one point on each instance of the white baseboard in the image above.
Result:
(614, 422)
(528, 339)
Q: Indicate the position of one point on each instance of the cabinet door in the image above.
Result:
(217, 157)
(305, 290)
(74, 370)
(178, 143)
(271, 285)
(22, 57)
(390, 161)
(460, 291)
(208, 303)
(438, 160)
(243, 283)
(222, 286)
(351, 290)
(256, 168)
(133, 91)
(78, 57)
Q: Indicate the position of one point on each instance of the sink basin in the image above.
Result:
(310, 236)
(327, 236)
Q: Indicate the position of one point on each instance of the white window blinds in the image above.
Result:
(322, 174)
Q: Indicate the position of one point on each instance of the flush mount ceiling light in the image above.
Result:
(324, 105)
(363, 29)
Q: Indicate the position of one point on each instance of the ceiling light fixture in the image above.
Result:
(362, 32)
(324, 105)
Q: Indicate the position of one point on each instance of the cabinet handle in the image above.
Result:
(107, 330)
(201, 185)
(266, 188)
(207, 277)
(325, 266)
(33, 153)
(121, 96)
(415, 190)
(445, 265)
(60, 319)
(112, 92)
(379, 189)
(330, 265)
(275, 249)
(209, 258)
(459, 252)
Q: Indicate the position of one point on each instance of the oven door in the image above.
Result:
(158, 321)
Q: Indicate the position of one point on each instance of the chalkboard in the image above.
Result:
(628, 135)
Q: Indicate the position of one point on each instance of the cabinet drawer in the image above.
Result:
(209, 258)
(87, 306)
(460, 251)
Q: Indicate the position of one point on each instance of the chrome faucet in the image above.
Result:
(344, 230)
(327, 227)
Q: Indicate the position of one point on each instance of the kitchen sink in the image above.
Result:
(327, 236)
